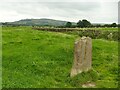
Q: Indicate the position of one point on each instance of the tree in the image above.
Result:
(113, 25)
(86, 23)
(83, 23)
(107, 25)
(118, 25)
(80, 24)
(68, 24)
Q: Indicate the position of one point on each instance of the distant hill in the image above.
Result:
(42, 22)
(98, 23)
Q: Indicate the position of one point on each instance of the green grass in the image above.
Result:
(39, 59)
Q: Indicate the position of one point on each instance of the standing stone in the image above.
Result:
(110, 36)
(82, 56)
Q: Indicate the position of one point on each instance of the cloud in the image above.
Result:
(60, 1)
(70, 11)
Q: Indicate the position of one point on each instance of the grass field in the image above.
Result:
(41, 59)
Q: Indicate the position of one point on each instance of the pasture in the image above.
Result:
(43, 59)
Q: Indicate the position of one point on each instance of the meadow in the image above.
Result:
(43, 59)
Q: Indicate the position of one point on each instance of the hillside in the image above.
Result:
(41, 22)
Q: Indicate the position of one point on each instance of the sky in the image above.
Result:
(95, 11)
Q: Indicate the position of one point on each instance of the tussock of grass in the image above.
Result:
(77, 81)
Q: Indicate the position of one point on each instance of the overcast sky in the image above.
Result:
(96, 11)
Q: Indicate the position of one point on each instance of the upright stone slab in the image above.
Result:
(82, 56)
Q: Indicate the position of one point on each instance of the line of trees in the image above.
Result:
(85, 23)
(81, 23)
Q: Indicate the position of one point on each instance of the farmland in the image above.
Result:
(43, 59)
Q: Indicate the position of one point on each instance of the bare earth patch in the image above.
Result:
(89, 85)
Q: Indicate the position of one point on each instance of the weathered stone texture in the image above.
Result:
(82, 56)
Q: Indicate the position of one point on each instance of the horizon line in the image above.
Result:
(60, 20)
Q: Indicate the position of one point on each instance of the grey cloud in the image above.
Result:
(55, 8)
(84, 6)
(64, 10)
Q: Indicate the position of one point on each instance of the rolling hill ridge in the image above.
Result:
(41, 22)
